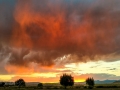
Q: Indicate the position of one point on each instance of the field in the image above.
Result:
(58, 87)
(64, 89)
(11, 88)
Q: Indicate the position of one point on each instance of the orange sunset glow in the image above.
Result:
(42, 39)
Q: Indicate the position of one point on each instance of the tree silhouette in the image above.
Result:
(20, 82)
(66, 80)
(90, 82)
(2, 84)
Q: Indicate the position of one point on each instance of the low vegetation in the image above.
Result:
(40, 85)
(2, 84)
(59, 87)
(66, 82)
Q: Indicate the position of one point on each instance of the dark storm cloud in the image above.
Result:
(6, 19)
(48, 32)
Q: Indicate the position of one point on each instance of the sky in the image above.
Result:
(42, 39)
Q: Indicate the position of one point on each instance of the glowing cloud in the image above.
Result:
(45, 33)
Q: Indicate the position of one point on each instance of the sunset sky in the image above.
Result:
(42, 39)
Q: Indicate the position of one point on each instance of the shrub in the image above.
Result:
(2, 84)
(99, 86)
(78, 87)
(66, 80)
(107, 87)
(40, 85)
(85, 87)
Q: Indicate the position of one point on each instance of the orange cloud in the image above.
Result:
(49, 33)
(60, 32)
(19, 70)
(37, 79)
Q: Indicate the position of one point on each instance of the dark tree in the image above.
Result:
(2, 84)
(20, 82)
(66, 80)
(90, 82)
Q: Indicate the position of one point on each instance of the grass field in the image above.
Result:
(59, 87)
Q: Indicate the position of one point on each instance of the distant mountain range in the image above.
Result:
(106, 81)
(103, 82)
(117, 82)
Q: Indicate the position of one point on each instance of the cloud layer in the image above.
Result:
(50, 32)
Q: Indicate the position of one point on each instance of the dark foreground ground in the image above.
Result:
(54, 88)
(63, 89)
(59, 87)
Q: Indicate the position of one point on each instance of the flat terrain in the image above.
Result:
(54, 86)
(61, 89)
(35, 88)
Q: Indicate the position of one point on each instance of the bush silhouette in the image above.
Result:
(66, 80)
(90, 82)
(40, 85)
(20, 82)
(2, 84)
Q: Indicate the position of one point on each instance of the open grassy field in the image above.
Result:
(59, 87)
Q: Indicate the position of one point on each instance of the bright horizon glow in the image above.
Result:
(80, 80)
(95, 67)
(74, 69)
(6, 77)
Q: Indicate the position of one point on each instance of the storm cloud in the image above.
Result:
(48, 32)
